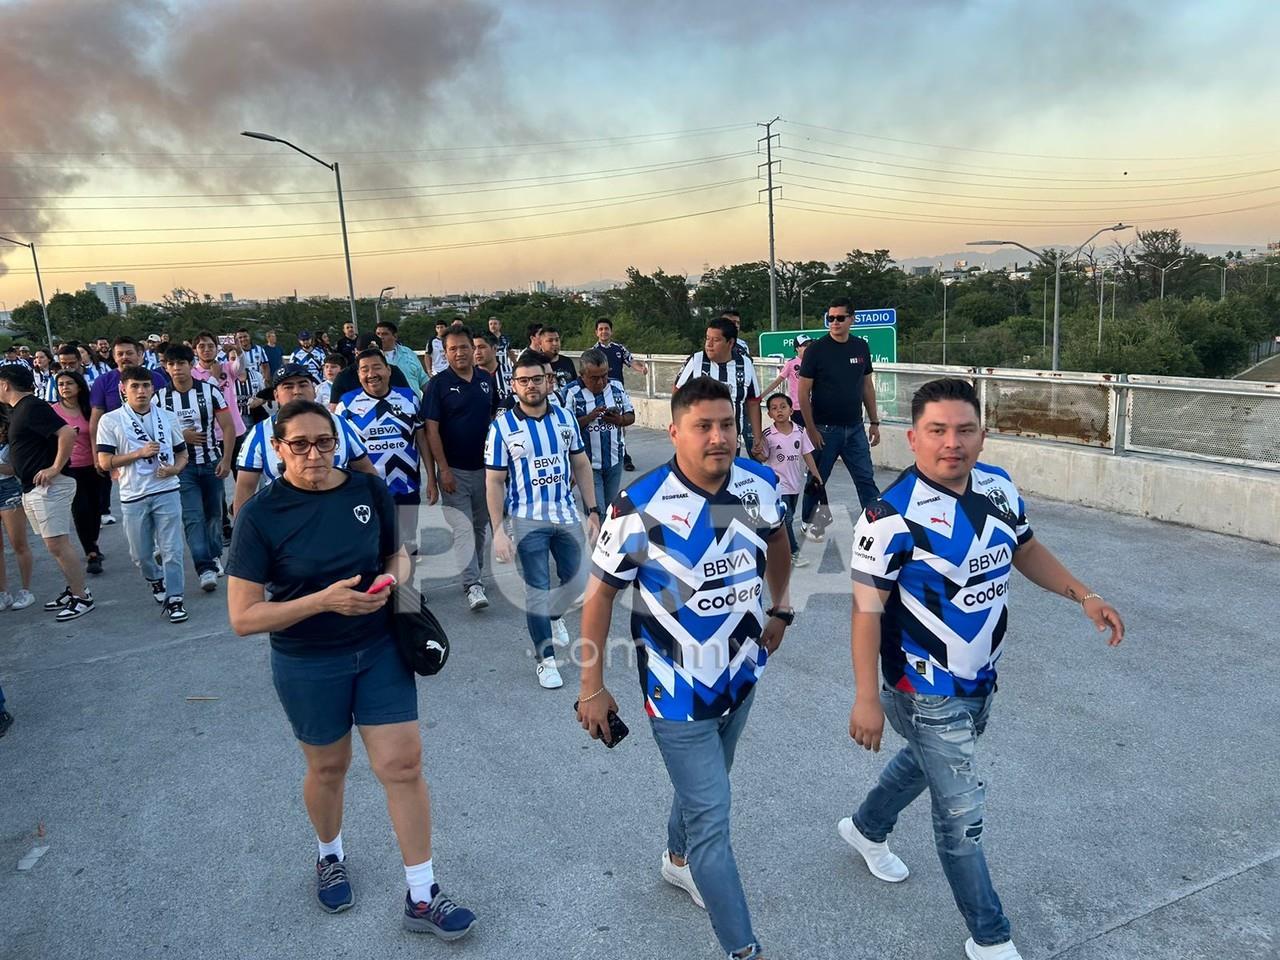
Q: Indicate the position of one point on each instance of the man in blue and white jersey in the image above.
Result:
(387, 420)
(698, 539)
(602, 408)
(620, 358)
(259, 464)
(254, 359)
(501, 346)
(309, 355)
(532, 455)
(931, 565)
(70, 362)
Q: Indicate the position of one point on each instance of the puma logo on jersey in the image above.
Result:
(942, 520)
(684, 519)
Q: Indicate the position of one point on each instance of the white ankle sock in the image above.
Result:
(334, 847)
(421, 877)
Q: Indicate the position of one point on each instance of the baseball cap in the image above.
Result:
(289, 371)
(304, 334)
(153, 338)
(801, 340)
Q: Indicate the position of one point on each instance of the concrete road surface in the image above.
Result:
(1134, 794)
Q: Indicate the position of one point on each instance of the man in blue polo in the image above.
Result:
(457, 407)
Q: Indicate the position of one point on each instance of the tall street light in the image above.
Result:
(803, 290)
(1057, 274)
(44, 310)
(377, 316)
(1163, 271)
(342, 214)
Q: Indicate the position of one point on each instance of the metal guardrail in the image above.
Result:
(1223, 421)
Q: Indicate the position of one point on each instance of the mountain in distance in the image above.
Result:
(997, 258)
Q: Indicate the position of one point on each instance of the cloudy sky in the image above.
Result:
(485, 145)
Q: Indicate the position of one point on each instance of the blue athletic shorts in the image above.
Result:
(323, 695)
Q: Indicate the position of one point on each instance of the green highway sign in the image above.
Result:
(882, 341)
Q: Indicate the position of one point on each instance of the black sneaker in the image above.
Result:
(94, 564)
(6, 721)
(157, 590)
(333, 888)
(60, 601)
(627, 465)
(441, 916)
(174, 610)
(76, 607)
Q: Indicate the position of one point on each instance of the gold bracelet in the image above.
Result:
(592, 697)
(1090, 596)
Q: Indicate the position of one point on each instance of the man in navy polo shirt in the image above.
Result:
(457, 407)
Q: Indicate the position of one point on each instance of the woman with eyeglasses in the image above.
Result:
(323, 543)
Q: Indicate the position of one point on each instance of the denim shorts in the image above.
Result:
(323, 695)
(10, 494)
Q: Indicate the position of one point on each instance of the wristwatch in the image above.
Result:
(786, 616)
(595, 510)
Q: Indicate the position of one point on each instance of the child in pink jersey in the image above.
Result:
(788, 450)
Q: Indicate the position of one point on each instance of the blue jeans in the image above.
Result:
(536, 543)
(202, 494)
(941, 734)
(608, 483)
(790, 499)
(699, 755)
(850, 445)
(155, 524)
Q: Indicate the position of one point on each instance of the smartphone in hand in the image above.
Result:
(384, 582)
(617, 729)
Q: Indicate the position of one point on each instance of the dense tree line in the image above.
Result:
(992, 319)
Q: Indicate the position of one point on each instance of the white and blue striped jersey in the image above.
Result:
(603, 441)
(50, 391)
(312, 359)
(151, 360)
(257, 453)
(535, 453)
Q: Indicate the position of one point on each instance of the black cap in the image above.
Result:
(291, 370)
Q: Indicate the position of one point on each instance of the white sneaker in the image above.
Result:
(6, 600)
(560, 633)
(883, 863)
(798, 561)
(209, 581)
(23, 599)
(107, 519)
(681, 877)
(997, 951)
(549, 674)
(219, 569)
(813, 532)
(476, 599)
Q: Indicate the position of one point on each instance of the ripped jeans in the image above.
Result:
(941, 734)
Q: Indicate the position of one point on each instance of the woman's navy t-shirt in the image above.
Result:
(297, 542)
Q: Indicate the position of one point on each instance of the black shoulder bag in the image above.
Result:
(421, 639)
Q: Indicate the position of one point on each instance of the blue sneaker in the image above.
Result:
(333, 889)
(441, 916)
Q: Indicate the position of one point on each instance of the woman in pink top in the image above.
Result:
(790, 374)
(86, 507)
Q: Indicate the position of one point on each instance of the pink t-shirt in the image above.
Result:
(226, 383)
(784, 452)
(81, 453)
(791, 376)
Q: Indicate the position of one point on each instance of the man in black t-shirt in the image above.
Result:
(835, 384)
(563, 368)
(40, 444)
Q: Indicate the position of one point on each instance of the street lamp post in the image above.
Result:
(803, 290)
(342, 214)
(377, 317)
(1057, 274)
(944, 321)
(44, 310)
(1163, 271)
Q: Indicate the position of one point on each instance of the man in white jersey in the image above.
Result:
(259, 462)
(144, 442)
(532, 455)
(198, 405)
(603, 408)
(718, 360)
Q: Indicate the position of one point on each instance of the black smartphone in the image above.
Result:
(617, 729)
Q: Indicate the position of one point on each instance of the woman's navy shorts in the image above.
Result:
(323, 695)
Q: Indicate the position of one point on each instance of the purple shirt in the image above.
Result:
(105, 392)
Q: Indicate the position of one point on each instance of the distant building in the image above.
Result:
(538, 286)
(925, 271)
(117, 295)
(227, 298)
